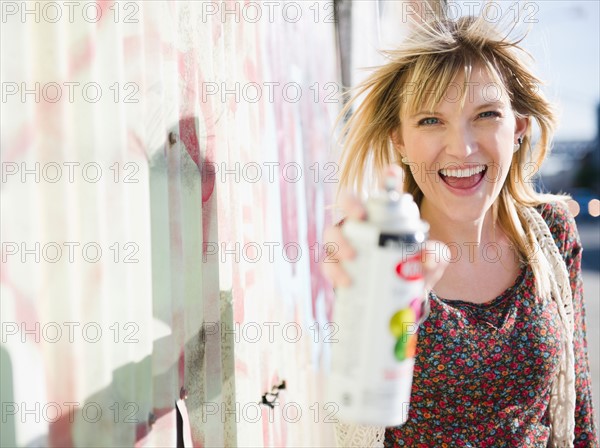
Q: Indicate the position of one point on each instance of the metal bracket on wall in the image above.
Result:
(274, 393)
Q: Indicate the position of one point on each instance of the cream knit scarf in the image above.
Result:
(562, 397)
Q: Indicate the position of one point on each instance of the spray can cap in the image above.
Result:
(393, 211)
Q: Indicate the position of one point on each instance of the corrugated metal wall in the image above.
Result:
(165, 171)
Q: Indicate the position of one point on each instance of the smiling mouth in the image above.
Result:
(463, 179)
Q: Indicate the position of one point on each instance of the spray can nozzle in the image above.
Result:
(390, 185)
(392, 209)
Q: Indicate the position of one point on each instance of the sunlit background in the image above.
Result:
(565, 43)
(154, 392)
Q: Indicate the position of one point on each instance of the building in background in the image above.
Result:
(573, 167)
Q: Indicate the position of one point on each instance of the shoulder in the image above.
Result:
(561, 223)
(557, 214)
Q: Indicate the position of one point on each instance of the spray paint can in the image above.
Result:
(379, 313)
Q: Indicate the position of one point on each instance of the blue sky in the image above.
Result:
(566, 45)
(565, 41)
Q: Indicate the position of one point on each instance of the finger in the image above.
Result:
(336, 245)
(334, 272)
(353, 206)
(435, 256)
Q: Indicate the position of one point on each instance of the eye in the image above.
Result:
(428, 121)
(489, 114)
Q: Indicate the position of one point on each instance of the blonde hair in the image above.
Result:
(430, 59)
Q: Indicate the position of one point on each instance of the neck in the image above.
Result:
(458, 235)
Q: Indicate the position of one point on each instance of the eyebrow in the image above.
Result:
(492, 104)
(424, 112)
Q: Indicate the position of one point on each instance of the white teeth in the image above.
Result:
(467, 172)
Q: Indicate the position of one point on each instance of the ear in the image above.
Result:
(396, 138)
(521, 126)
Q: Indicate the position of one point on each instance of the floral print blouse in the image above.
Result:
(483, 372)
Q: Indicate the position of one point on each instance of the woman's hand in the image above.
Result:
(433, 255)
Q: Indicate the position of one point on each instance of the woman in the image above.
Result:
(502, 358)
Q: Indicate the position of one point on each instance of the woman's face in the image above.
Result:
(460, 157)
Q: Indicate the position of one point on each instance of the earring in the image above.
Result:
(404, 160)
(517, 145)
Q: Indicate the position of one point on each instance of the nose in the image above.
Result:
(461, 143)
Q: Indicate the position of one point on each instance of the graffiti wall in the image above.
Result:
(165, 172)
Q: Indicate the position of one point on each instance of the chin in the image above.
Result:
(470, 211)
